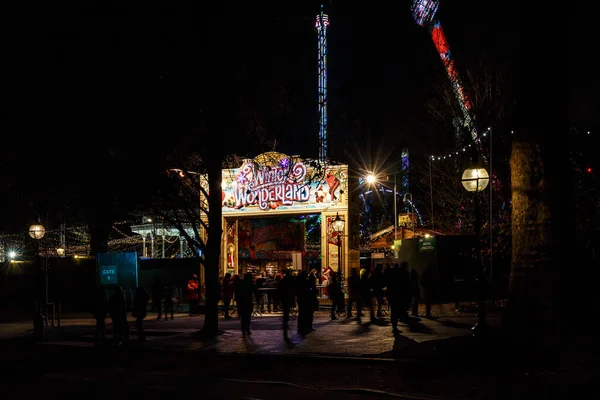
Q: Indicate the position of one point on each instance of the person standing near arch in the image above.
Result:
(192, 288)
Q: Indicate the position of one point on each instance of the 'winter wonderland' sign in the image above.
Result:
(275, 181)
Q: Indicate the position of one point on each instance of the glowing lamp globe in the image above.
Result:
(475, 179)
(338, 224)
(37, 231)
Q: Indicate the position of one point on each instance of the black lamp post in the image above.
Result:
(476, 180)
(37, 232)
(338, 226)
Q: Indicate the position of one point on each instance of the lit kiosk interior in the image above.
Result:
(278, 213)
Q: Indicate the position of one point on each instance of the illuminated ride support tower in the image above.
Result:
(423, 12)
(409, 206)
(404, 182)
(321, 24)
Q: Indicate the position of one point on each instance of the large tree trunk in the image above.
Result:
(213, 250)
(544, 249)
(533, 293)
(214, 160)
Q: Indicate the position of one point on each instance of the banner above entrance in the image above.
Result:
(274, 181)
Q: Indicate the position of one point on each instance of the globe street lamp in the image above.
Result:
(37, 232)
(476, 180)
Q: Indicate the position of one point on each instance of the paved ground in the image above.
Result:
(153, 373)
(343, 337)
(341, 359)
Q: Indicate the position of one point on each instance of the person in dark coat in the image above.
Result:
(168, 301)
(244, 294)
(260, 295)
(429, 285)
(157, 297)
(405, 294)
(335, 291)
(354, 294)
(140, 306)
(393, 283)
(100, 314)
(228, 291)
(378, 285)
(313, 299)
(271, 296)
(415, 292)
(305, 303)
(118, 315)
(366, 292)
(286, 292)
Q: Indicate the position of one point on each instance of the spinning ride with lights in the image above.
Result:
(424, 14)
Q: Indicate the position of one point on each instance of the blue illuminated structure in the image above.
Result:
(404, 181)
(424, 11)
(321, 24)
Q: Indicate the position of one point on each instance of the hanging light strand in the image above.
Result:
(456, 152)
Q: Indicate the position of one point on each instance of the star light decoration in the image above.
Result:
(242, 179)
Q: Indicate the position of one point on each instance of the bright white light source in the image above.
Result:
(12, 254)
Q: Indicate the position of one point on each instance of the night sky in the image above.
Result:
(82, 80)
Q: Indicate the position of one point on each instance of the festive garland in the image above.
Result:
(464, 148)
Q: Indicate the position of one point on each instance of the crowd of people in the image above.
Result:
(116, 307)
(369, 291)
(115, 304)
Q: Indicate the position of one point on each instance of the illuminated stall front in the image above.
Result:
(278, 212)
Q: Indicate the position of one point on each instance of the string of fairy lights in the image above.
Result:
(487, 134)
(456, 152)
(13, 246)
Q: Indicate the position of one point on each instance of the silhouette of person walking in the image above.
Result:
(244, 295)
(428, 282)
(354, 294)
(118, 315)
(393, 283)
(366, 292)
(304, 302)
(334, 291)
(168, 302)
(228, 290)
(100, 314)
(192, 288)
(377, 285)
(286, 294)
(140, 305)
(157, 296)
(415, 292)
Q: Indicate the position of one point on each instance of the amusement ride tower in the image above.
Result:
(423, 12)
(322, 23)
